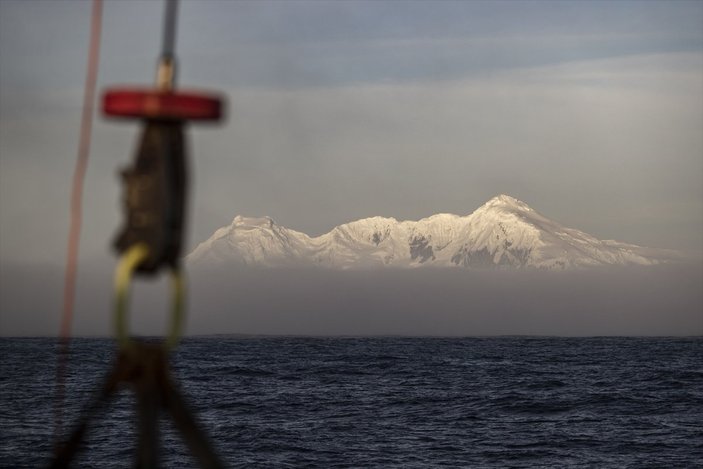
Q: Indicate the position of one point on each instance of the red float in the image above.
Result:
(152, 103)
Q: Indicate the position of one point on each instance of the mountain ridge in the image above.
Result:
(504, 232)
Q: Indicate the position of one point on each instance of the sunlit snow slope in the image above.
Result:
(503, 232)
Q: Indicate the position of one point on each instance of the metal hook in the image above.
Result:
(124, 272)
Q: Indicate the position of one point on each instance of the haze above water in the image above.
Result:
(659, 300)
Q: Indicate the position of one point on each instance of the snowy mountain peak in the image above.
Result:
(251, 222)
(503, 201)
(503, 232)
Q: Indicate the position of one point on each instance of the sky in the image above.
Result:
(591, 112)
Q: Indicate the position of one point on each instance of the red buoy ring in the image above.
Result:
(152, 103)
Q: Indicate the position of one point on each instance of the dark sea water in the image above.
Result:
(385, 402)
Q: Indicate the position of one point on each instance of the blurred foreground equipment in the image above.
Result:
(155, 194)
(143, 367)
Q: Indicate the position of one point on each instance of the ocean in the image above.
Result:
(382, 402)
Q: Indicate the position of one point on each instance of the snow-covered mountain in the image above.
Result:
(503, 232)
